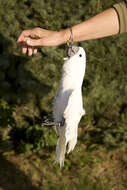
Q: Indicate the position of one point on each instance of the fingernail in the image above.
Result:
(28, 41)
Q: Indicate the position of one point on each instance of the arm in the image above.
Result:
(101, 25)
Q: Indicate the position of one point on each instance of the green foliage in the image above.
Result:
(86, 184)
(90, 185)
(27, 88)
(33, 138)
(6, 114)
(29, 84)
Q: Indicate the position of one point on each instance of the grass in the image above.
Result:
(98, 169)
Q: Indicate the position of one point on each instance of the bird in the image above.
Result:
(68, 104)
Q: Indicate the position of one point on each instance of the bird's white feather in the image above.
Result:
(68, 105)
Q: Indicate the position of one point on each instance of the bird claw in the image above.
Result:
(48, 122)
(61, 123)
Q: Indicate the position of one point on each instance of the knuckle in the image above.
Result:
(23, 32)
(37, 29)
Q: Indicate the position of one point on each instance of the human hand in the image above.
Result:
(30, 40)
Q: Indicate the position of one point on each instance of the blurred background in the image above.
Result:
(28, 86)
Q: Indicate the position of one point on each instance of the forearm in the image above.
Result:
(102, 25)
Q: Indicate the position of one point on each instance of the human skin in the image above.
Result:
(102, 25)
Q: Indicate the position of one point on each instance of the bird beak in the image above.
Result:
(72, 50)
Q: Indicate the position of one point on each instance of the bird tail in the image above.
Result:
(71, 144)
(67, 136)
(60, 151)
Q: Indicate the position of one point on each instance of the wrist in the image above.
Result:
(64, 36)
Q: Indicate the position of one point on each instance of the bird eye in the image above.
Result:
(80, 55)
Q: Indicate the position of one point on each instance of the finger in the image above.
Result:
(33, 43)
(30, 51)
(23, 35)
(35, 50)
(24, 49)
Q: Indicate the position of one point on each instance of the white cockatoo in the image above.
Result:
(68, 104)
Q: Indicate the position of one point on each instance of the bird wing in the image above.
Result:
(72, 116)
(73, 111)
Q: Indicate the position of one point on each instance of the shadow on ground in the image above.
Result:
(17, 87)
(11, 178)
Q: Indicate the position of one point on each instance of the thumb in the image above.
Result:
(33, 42)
